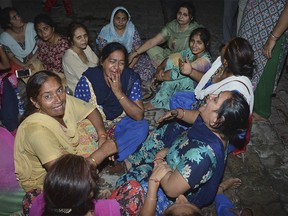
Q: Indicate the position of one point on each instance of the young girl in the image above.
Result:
(169, 74)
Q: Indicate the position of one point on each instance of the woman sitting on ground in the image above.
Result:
(122, 30)
(51, 45)
(196, 158)
(175, 34)
(55, 124)
(231, 71)
(116, 91)
(70, 188)
(79, 57)
(168, 72)
(18, 38)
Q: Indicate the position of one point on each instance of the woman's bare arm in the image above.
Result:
(158, 39)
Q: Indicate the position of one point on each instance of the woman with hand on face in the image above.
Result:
(122, 30)
(196, 157)
(55, 124)
(79, 56)
(170, 76)
(116, 91)
(51, 45)
(175, 34)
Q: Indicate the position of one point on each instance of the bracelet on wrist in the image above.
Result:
(151, 198)
(158, 158)
(154, 179)
(103, 136)
(94, 161)
(121, 98)
(174, 113)
(273, 36)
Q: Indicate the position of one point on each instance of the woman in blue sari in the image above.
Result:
(196, 157)
(116, 91)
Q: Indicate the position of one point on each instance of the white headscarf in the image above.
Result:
(242, 84)
(109, 33)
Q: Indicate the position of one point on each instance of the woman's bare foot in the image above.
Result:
(230, 183)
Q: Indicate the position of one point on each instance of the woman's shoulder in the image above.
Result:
(30, 25)
(3, 36)
(92, 71)
(208, 57)
(68, 53)
(172, 23)
(62, 39)
(193, 25)
(105, 207)
(130, 72)
(104, 31)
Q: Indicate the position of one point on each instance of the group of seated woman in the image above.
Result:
(193, 157)
(70, 136)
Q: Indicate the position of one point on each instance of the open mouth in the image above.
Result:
(59, 107)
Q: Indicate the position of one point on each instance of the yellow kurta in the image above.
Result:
(41, 139)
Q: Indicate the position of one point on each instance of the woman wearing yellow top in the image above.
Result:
(54, 126)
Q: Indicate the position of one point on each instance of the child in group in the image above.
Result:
(169, 74)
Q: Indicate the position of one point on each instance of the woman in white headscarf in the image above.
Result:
(122, 30)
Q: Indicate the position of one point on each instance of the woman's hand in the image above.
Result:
(159, 171)
(171, 114)
(268, 47)
(185, 67)
(132, 56)
(115, 83)
(159, 75)
(159, 157)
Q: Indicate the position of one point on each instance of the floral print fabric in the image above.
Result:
(51, 56)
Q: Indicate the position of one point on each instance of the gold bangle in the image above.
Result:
(120, 98)
(159, 158)
(94, 161)
(151, 198)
